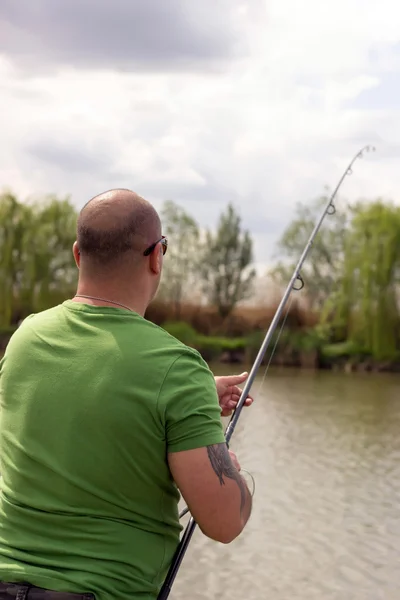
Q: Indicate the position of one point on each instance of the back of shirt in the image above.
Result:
(92, 400)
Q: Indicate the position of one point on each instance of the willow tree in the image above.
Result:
(15, 219)
(36, 263)
(366, 301)
(50, 272)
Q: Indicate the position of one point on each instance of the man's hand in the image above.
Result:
(229, 392)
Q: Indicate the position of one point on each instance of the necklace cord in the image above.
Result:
(103, 300)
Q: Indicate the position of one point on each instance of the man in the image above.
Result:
(104, 416)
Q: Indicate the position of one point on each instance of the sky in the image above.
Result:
(259, 103)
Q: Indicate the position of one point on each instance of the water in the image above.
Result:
(324, 449)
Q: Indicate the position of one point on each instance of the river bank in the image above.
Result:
(236, 339)
(242, 351)
(315, 360)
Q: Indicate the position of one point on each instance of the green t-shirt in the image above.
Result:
(92, 400)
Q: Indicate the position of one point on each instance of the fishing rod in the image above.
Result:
(296, 278)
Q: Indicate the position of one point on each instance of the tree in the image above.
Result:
(183, 255)
(53, 273)
(365, 305)
(36, 264)
(14, 223)
(225, 267)
(325, 260)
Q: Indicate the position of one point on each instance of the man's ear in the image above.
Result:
(77, 254)
(156, 259)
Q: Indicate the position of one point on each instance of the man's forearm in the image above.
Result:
(223, 466)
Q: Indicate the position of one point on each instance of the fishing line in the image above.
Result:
(275, 345)
(328, 210)
(252, 479)
(186, 509)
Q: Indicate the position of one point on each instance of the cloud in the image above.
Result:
(382, 94)
(73, 159)
(303, 90)
(121, 34)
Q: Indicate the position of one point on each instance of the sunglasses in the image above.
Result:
(164, 244)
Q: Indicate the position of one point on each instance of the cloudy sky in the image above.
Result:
(258, 102)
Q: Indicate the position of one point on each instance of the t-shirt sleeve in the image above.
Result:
(189, 406)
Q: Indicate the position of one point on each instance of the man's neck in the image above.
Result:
(108, 297)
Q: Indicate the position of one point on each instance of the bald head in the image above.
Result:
(116, 225)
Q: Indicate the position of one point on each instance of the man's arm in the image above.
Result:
(198, 457)
(215, 492)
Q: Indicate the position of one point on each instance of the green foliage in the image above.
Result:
(365, 306)
(325, 260)
(7, 331)
(222, 343)
(352, 273)
(225, 266)
(212, 347)
(182, 331)
(347, 349)
(253, 344)
(179, 270)
(36, 262)
(305, 341)
(255, 339)
(37, 269)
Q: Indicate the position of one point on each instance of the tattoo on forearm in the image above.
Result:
(222, 464)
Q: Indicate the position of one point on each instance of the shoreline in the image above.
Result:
(308, 362)
(214, 353)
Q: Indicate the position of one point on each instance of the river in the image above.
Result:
(324, 449)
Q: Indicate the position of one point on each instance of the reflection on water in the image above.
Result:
(325, 451)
